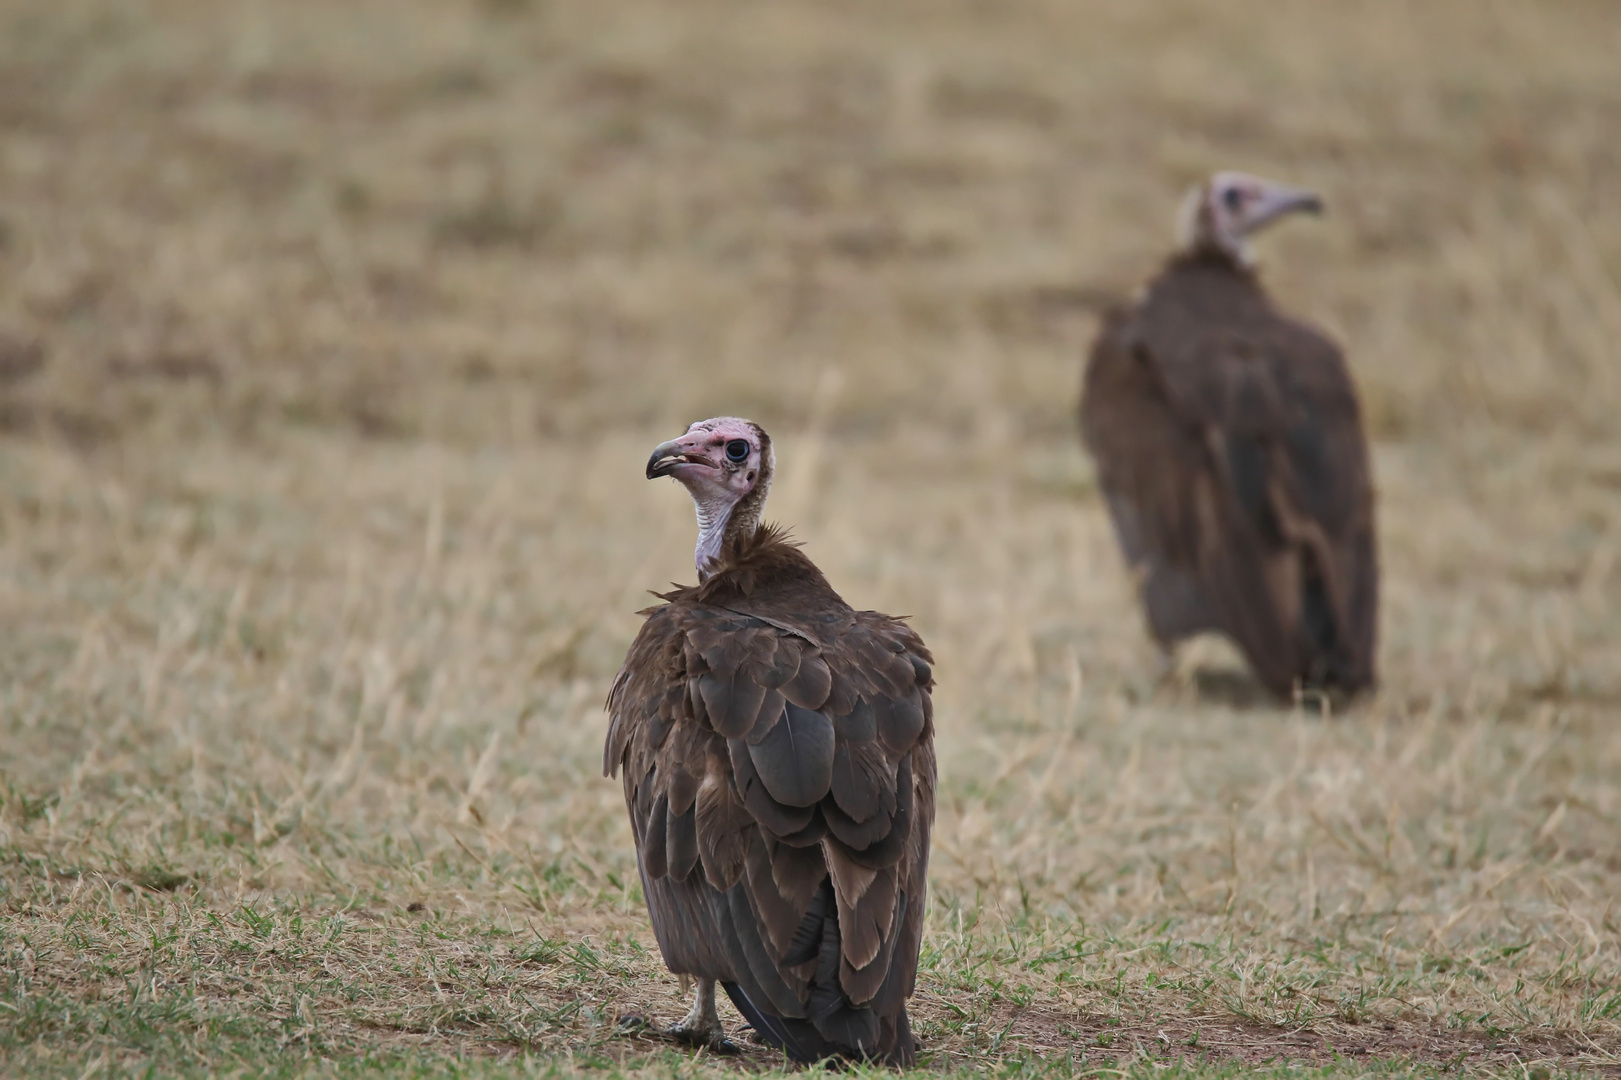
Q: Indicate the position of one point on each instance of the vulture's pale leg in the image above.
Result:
(701, 1025)
(1164, 666)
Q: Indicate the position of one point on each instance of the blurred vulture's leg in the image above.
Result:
(701, 1025)
(1164, 666)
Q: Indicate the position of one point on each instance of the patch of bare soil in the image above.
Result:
(1214, 1038)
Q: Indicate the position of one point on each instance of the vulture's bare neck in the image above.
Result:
(1198, 236)
(722, 526)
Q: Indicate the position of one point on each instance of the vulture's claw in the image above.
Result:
(714, 1040)
(701, 1026)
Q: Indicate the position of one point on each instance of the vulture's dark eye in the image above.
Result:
(1233, 198)
(737, 451)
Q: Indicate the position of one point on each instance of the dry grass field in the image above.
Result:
(333, 338)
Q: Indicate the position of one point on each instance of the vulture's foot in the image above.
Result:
(1163, 668)
(712, 1039)
(701, 1026)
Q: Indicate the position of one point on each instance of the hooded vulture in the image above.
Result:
(777, 748)
(1229, 448)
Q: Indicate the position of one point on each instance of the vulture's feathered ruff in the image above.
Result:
(1229, 446)
(778, 761)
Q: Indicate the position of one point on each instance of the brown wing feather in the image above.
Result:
(1230, 450)
(1153, 472)
(783, 742)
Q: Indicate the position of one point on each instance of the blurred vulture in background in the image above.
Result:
(1229, 447)
(778, 757)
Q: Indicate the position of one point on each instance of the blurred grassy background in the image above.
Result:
(332, 341)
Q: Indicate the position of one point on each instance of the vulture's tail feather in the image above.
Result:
(796, 1038)
(834, 1025)
(852, 1028)
(1327, 666)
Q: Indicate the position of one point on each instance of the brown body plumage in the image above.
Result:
(1229, 445)
(778, 764)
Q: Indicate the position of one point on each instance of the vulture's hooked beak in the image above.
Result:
(666, 456)
(1279, 200)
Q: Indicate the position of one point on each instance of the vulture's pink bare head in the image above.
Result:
(726, 465)
(1221, 214)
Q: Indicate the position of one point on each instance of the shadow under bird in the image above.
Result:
(1229, 447)
(777, 748)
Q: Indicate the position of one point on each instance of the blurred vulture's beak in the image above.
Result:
(1280, 200)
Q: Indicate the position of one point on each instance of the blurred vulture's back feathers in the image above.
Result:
(1229, 446)
(778, 759)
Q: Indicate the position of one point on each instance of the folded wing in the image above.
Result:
(780, 775)
(1232, 456)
